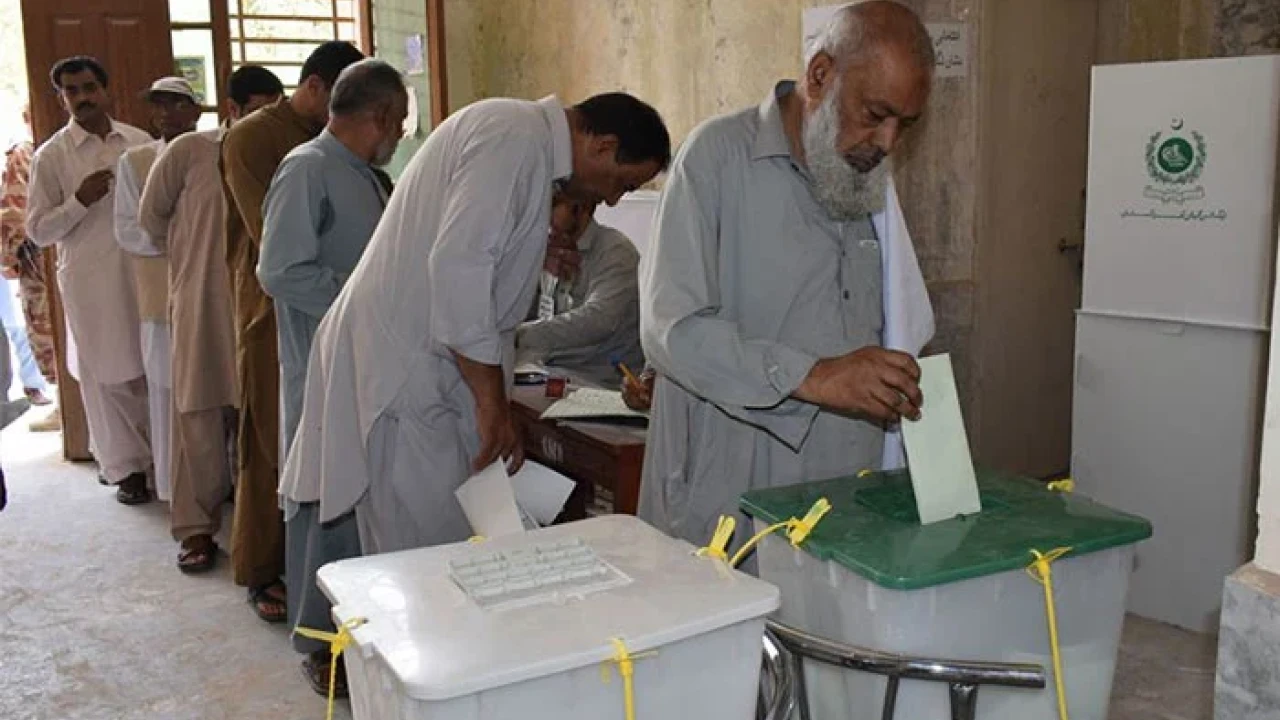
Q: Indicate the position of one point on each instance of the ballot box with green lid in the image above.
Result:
(871, 575)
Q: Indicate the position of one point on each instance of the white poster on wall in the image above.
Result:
(950, 40)
(1182, 164)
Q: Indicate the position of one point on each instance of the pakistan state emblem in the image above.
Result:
(1175, 160)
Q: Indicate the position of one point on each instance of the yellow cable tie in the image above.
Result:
(338, 642)
(476, 539)
(864, 472)
(1064, 485)
(799, 529)
(719, 544)
(625, 661)
(745, 550)
(1041, 570)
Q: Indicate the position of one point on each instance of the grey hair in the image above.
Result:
(365, 86)
(847, 35)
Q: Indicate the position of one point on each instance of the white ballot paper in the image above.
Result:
(541, 492)
(938, 455)
(497, 505)
(489, 502)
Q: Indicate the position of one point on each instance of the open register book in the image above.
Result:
(588, 402)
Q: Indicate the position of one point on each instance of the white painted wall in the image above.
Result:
(1267, 555)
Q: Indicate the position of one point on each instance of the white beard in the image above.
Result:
(841, 190)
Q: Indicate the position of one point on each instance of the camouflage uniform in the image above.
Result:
(19, 255)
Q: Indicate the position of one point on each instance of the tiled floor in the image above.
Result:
(95, 622)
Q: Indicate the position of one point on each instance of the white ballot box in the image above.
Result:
(529, 627)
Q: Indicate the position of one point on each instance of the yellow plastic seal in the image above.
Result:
(625, 662)
(338, 642)
(1041, 570)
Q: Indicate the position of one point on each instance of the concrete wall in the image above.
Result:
(1142, 30)
(1267, 551)
(393, 22)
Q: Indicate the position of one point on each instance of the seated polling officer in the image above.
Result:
(587, 316)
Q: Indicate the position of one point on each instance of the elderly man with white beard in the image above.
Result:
(781, 303)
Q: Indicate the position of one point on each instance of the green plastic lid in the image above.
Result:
(874, 530)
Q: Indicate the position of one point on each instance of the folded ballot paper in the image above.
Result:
(497, 504)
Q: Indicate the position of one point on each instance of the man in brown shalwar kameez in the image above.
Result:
(251, 151)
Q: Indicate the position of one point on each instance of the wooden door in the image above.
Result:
(131, 38)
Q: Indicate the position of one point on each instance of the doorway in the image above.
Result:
(130, 37)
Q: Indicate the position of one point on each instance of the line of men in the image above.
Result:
(381, 325)
(173, 339)
(217, 258)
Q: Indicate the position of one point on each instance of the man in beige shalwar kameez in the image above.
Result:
(183, 210)
(69, 204)
(175, 110)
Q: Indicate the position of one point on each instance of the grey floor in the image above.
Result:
(95, 622)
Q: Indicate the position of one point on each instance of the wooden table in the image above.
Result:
(603, 458)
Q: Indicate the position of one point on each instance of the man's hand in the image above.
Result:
(498, 435)
(562, 262)
(95, 187)
(639, 395)
(872, 382)
(499, 438)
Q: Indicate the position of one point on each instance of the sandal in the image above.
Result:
(269, 602)
(316, 671)
(133, 490)
(199, 553)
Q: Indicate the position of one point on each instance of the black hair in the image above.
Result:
(328, 61)
(250, 80)
(642, 136)
(73, 65)
(367, 85)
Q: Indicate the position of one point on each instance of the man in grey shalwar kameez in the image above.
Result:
(762, 296)
(587, 317)
(407, 386)
(322, 207)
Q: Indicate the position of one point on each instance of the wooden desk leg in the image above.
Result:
(626, 495)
